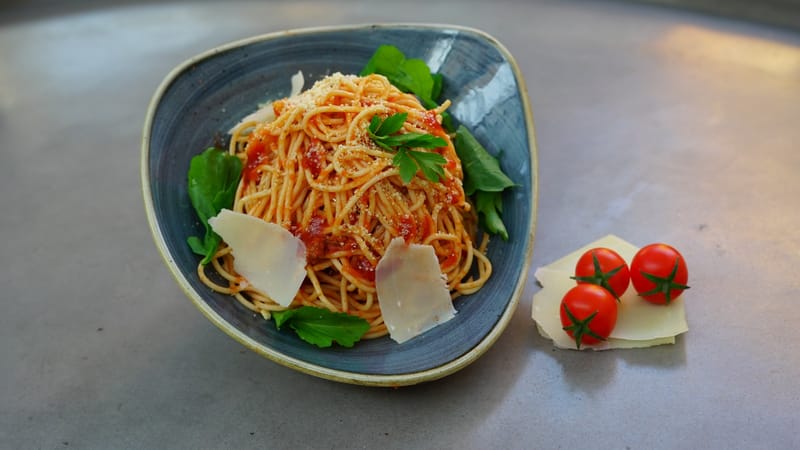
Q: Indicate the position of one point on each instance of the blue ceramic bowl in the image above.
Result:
(206, 95)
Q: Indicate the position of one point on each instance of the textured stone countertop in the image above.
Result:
(652, 123)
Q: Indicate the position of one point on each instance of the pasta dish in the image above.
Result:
(314, 170)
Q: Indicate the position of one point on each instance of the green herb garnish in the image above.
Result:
(408, 75)
(384, 133)
(484, 179)
(665, 285)
(213, 178)
(321, 327)
(601, 278)
(580, 328)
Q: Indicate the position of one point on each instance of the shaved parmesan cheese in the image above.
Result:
(266, 254)
(639, 323)
(297, 83)
(412, 292)
(265, 113)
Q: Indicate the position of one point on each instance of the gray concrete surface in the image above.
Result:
(653, 124)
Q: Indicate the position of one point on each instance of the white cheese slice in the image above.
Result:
(612, 343)
(297, 83)
(265, 113)
(639, 323)
(271, 258)
(412, 292)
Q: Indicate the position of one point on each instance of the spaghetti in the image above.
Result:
(315, 171)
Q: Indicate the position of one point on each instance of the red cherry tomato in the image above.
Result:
(659, 273)
(588, 314)
(603, 267)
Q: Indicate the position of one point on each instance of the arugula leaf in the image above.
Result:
(387, 58)
(490, 206)
(438, 83)
(213, 178)
(383, 133)
(321, 327)
(408, 75)
(483, 178)
(482, 170)
(416, 76)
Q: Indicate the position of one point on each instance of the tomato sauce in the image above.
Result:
(450, 261)
(313, 237)
(336, 244)
(454, 195)
(407, 227)
(431, 124)
(259, 148)
(313, 158)
(362, 268)
(427, 227)
(413, 230)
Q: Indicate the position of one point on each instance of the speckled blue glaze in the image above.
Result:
(205, 96)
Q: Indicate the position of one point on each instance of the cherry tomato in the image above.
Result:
(588, 313)
(603, 267)
(659, 273)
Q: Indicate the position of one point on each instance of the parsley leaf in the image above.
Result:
(406, 164)
(431, 164)
(321, 327)
(212, 181)
(384, 133)
(391, 125)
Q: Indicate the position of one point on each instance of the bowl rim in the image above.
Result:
(384, 380)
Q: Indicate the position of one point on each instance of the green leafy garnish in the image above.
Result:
(490, 207)
(384, 133)
(484, 179)
(601, 278)
(580, 328)
(321, 327)
(665, 285)
(213, 178)
(408, 75)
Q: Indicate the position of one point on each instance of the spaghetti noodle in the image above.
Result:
(315, 171)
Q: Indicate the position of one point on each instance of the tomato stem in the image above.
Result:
(664, 285)
(601, 278)
(580, 328)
